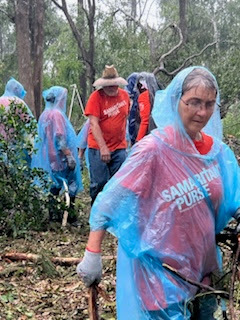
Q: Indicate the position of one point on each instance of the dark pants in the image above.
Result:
(101, 172)
(203, 309)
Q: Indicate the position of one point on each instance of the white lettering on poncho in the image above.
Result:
(192, 190)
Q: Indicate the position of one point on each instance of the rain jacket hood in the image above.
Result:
(14, 88)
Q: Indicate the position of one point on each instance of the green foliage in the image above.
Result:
(25, 199)
(8, 61)
(231, 123)
(122, 46)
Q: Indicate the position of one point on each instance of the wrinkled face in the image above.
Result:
(195, 109)
(111, 91)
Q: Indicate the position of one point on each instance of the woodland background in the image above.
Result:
(57, 42)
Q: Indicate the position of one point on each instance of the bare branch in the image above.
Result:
(184, 64)
(74, 29)
(137, 21)
(195, 283)
(161, 60)
(195, 55)
(57, 4)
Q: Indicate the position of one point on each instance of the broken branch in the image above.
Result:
(202, 286)
(65, 261)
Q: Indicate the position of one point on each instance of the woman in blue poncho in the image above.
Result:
(179, 187)
(15, 92)
(56, 148)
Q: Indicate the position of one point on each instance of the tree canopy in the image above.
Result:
(80, 37)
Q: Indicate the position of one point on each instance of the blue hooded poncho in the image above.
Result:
(56, 133)
(15, 92)
(133, 94)
(165, 205)
(82, 140)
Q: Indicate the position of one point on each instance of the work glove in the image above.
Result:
(71, 162)
(237, 217)
(90, 268)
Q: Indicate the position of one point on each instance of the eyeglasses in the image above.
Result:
(197, 104)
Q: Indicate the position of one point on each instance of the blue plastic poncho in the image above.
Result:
(165, 205)
(133, 94)
(14, 91)
(82, 140)
(56, 135)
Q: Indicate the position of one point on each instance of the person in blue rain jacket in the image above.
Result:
(56, 147)
(177, 189)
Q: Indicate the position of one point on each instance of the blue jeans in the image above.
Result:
(101, 172)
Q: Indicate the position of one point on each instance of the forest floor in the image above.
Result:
(39, 291)
(42, 291)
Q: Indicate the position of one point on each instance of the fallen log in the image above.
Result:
(64, 261)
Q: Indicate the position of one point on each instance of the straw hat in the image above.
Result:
(110, 77)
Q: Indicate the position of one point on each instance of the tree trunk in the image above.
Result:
(37, 52)
(182, 17)
(131, 22)
(86, 48)
(82, 74)
(24, 50)
(29, 17)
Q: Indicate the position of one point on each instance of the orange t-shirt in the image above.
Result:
(144, 109)
(204, 146)
(112, 113)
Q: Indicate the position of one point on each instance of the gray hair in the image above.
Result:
(199, 77)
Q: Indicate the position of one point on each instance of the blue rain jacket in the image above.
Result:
(14, 91)
(165, 205)
(133, 94)
(82, 140)
(56, 133)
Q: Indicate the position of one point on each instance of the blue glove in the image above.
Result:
(90, 268)
(71, 162)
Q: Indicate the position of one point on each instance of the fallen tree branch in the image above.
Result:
(64, 261)
(202, 286)
(186, 62)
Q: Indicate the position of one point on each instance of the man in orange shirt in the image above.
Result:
(107, 109)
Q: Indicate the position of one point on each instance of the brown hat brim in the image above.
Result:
(101, 82)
